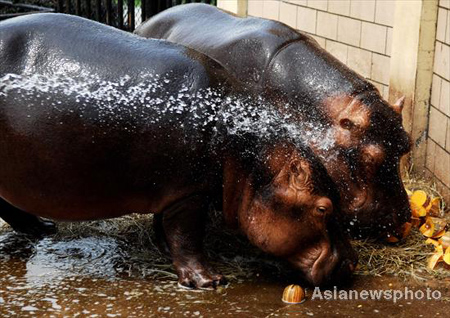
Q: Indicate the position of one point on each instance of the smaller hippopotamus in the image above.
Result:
(358, 136)
(97, 123)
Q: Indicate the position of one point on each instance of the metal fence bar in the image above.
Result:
(98, 10)
(67, 6)
(131, 15)
(88, 9)
(78, 7)
(102, 10)
(108, 12)
(60, 6)
(120, 13)
(143, 10)
(152, 8)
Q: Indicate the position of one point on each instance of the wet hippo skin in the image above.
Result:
(292, 71)
(97, 123)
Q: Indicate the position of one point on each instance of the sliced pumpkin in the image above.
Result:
(418, 211)
(434, 208)
(420, 198)
(440, 226)
(434, 242)
(433, 227)
(446, 256)
(445, 240)
(436, 257)
(427, 228)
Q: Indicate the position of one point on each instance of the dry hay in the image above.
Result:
(408, 258)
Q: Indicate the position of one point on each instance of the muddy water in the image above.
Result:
(92, 276)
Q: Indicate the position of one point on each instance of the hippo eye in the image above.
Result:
(322, 209)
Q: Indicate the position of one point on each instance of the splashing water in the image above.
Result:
(153, 99)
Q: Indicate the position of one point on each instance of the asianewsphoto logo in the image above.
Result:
(393, 295)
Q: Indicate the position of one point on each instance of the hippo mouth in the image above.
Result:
(316, 266)
(323, 267)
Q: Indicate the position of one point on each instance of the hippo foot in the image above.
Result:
(39, 228)
(24, 222)
(192, 278)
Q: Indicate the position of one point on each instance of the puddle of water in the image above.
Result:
(87, 277)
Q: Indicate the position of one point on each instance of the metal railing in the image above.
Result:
(123, 14)
(17, 9)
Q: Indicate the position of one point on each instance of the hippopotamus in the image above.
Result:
(98, 123)
(291, 70)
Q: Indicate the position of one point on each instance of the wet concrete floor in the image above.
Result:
(80, 277)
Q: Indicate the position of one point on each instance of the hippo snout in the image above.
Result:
(327, 263)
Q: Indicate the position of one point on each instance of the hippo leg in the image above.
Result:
(160, 236)
(25, 223)
(184, 225)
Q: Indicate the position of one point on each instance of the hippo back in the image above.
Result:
(223, 37)
(253, 50)
(28, 43)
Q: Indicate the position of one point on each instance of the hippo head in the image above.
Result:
(288, 207)
(368, 139)
(365, 162)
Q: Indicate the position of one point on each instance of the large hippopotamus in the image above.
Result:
(97, 123)
(292, 71)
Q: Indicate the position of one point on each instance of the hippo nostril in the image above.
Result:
(351, 266)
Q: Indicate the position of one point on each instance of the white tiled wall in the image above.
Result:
(438, 146)
(357, 32)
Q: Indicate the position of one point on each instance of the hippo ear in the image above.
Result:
(398, 106)
(299, 174)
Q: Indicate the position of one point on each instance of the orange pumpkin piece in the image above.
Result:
(434, 208)
(440, 226)
(445, 240)
(446, 256)
(434, 242)
(293, 294)
(420, 198)
(427, 228)
(418, 211)
(435, 258)
(439, 249)
(433, 227)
